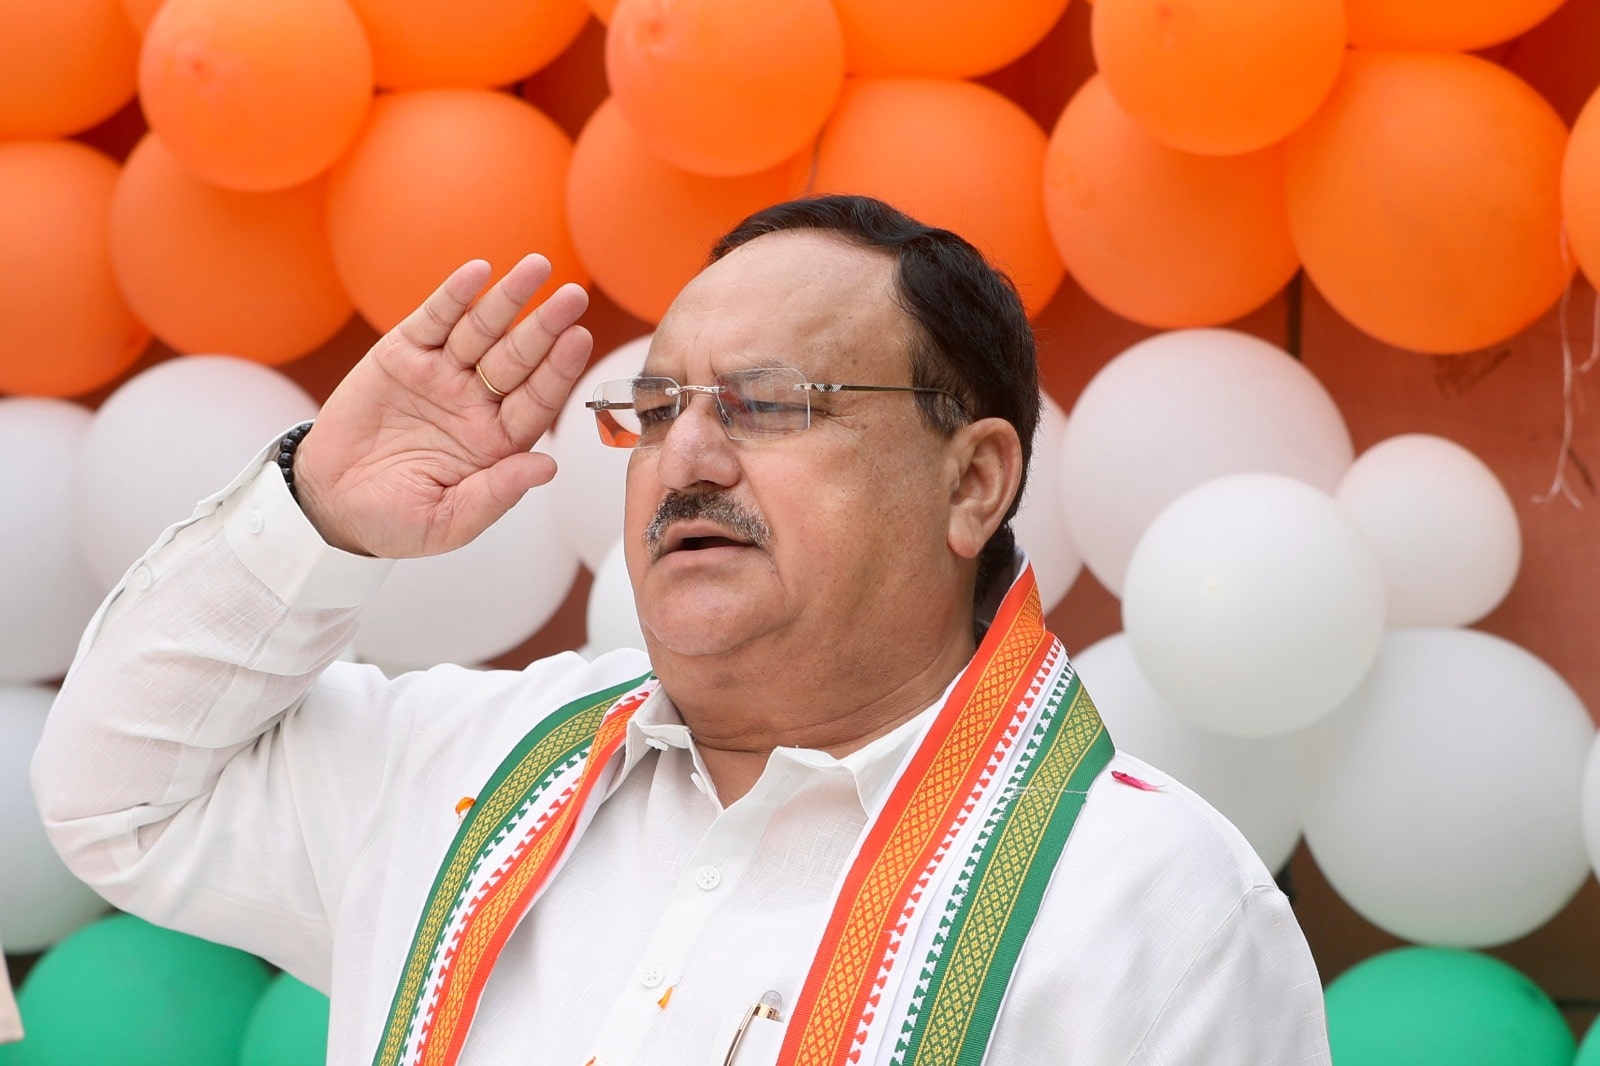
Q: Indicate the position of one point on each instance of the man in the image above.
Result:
(851, 822)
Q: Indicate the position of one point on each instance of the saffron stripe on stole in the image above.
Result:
(1010, 877)
(523, 774)
(926, 802)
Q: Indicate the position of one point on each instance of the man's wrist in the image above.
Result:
(288, 445)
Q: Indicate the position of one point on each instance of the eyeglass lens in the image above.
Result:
(756, 403)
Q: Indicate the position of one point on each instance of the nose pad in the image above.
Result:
(688, 402)
(696, 449)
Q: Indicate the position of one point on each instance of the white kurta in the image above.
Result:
(210, 767)
(10, 1020)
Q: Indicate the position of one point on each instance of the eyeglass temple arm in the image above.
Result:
(821, 386)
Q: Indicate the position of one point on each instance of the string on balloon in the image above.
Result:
(1559, 486)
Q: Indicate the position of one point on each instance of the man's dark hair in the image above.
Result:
(970, 334)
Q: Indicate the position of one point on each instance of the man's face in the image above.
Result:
(805, 541)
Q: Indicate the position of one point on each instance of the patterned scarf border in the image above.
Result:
(502, 854)
(956, 863)
(978, 942)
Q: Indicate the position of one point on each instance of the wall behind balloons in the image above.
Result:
(87, 286)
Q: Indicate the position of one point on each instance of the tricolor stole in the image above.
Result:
(929, 918)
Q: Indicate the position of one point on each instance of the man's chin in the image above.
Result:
(684, 632)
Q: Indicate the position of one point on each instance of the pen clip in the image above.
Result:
(769, 1006)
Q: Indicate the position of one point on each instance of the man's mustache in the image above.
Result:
(718, 507)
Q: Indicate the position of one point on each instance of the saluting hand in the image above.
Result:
(415, 453)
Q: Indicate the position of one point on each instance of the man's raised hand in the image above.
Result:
(415, 453)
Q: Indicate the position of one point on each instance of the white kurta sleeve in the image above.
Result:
(1249, 996)
(10, 1020)
(207, 764)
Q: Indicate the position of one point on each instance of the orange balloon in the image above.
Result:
(1165, 238)
(441, 176)
(1580, 189)
(67, 64)
(1454, 25)
(952, 154)
(142, 12)
(214, 270)
(725, 87)
(255, 96)
(602, 9)
(1425, 200)
(1219, 77)
(68, 330)
(643, 227)
(942, 38)
(418, 44)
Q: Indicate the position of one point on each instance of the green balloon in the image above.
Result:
(126, 992)
(1589, 1050)
(289, 1027)
(1425, 1006)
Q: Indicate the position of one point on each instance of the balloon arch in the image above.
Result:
(1311, 284)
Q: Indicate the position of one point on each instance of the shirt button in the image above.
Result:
(142, 577)
(708, 878)
(652, 977)
(254, 523)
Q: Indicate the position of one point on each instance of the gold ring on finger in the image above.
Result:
(499, 395)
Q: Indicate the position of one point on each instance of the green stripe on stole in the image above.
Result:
(549, 746)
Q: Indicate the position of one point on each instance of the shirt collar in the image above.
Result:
(657, 726)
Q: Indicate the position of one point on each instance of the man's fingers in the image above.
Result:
(484, 497)
(487, 320)
(509, 362)
(532, 408)
(429, 325)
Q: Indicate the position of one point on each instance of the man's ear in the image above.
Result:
(986, 468)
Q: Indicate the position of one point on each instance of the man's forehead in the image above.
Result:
(783, 299)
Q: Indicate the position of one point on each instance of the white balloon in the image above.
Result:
(476, 602)
(1040, 523)
(167, 438)
(1253, 604)
(40, 900)
(1590, 810)
(1444, 529)
(47, 592)
(1255, 783)
(1447, 807)
(613, 621)
(1178, 410)
(588, 487)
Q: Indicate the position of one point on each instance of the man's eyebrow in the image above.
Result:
(768, 362)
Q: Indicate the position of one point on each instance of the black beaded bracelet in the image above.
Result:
(286, 449)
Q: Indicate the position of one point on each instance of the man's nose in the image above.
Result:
(696, 449)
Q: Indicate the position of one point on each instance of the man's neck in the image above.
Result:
(741, 707)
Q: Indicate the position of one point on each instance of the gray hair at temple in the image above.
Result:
(971, 334)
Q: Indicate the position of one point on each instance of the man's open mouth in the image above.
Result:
(697, 536)
(696, 543)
